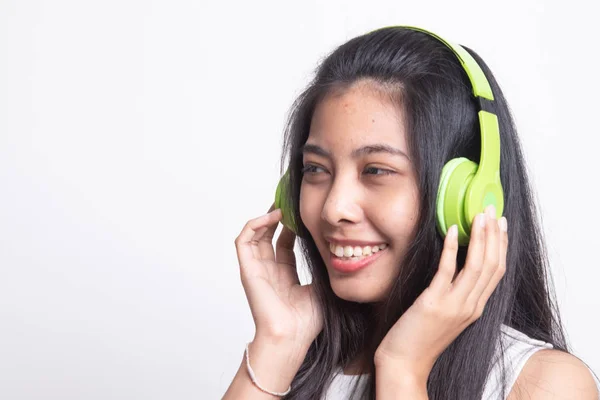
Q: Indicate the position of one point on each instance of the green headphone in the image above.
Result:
(465, 188)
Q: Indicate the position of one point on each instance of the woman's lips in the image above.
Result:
(350, 265)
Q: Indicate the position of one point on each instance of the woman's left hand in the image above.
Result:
(447, 306)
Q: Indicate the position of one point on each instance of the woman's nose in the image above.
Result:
(342, 204)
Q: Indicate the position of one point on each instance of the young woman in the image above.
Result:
(397, 308)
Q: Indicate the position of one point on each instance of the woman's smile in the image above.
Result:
(354, 263)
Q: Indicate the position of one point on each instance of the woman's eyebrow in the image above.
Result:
(361, 151)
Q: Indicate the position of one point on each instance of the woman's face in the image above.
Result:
(357, 197)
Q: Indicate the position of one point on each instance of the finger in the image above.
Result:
(500, 271)
(491, 259)
(285, 252)
(447, 267)
(254, 242)
(262, 242)
(468, 276)
(265, 242)
(246, 244)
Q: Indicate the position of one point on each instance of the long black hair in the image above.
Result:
(425, 79)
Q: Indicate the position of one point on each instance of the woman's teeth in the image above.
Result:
(355, 251)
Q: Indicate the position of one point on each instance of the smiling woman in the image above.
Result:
(411, 297)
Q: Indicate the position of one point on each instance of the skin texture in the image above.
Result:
(553, 374)
(353, 198)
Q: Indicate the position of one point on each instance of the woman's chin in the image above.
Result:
(357, 293)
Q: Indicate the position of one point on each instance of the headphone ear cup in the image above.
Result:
(441, 194)
(282, 200)
(450, 203)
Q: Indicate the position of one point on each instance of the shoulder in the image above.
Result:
(554, 374)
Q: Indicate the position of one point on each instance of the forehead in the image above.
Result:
(361, 114)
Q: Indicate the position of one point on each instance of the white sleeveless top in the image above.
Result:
(518, 347)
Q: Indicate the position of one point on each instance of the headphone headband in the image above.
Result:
(480, 84)
(474, 185)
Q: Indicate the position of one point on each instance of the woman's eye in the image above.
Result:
(310, 169)
(382, 171)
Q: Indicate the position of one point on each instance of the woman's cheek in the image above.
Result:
(396, 216)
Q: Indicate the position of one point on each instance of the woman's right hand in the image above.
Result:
(282, 308)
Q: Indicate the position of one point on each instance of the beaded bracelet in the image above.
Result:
(253, 377)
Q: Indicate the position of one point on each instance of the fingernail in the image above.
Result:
(481, 219)
(491, 211)
(503, 224)
(453, 231)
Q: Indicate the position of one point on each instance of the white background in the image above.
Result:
(138, 137)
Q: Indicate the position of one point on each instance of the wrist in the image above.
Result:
(275, 363)
(400, 375)
(399, 378)
(412, 371)
(283, 350)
